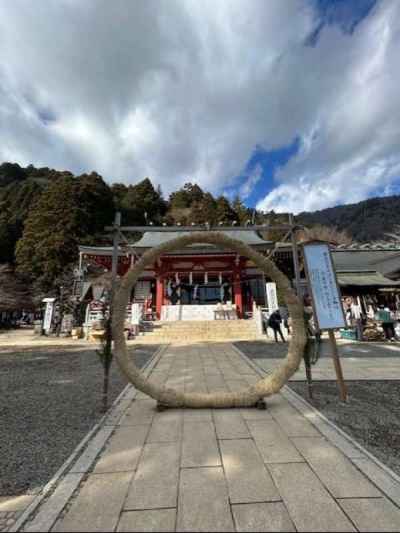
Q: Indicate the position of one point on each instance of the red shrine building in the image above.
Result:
(187, 284)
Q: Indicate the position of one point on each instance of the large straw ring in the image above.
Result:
(243, 398)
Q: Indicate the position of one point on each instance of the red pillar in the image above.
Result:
(159, 295)
(237, 292)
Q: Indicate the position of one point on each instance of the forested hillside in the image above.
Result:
(45, 214)
(369, 220)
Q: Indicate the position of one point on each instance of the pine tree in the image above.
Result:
(204, 210)
(67, 213)
(224, 211)
(140, 203)
(185, 197)
(242, 212)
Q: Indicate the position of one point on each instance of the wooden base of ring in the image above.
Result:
(261, 404)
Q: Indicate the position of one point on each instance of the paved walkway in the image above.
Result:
(11, 508)
(369, 369)
(360, 360)
(283, 469)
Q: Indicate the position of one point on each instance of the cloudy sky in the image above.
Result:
(292, 104)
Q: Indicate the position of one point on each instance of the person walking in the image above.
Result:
(274, 322)
(283, 311)
(385, 317)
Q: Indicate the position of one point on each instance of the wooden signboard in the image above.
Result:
(326, 298)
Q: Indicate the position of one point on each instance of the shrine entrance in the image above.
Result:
(199, 279)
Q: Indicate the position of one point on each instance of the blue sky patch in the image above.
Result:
(346, 14)
(257, 180)
(388, 190)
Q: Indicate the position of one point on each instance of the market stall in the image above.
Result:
(365, 297)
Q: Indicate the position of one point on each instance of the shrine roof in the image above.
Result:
(101, 250)
(151, 239)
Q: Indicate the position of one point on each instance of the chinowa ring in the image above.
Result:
(245, 398)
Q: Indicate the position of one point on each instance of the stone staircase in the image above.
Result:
(199, 331)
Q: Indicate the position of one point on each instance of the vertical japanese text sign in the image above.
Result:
(323, 284)
(272, 297)
(48, 315)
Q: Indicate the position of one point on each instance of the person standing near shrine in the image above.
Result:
(274, 322)
(283, 310)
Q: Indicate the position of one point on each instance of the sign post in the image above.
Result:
(272, 297)
(327, 306)
(48, 315)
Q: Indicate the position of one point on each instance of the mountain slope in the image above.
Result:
(368, 220)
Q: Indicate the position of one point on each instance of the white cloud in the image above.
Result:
(184, 90)
(351, 146)
(252, 179)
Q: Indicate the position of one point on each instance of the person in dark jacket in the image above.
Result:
(283, 310)
(274, 322)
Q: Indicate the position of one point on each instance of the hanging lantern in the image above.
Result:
(220, 278)
(190, 278)
(177, 278)
(205, 278)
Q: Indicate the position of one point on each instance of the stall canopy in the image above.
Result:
(365, 279)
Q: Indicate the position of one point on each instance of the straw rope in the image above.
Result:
(248, 397)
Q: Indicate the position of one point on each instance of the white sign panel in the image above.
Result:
(48, 316)
(324, 289)
(136, 315)
(272, 297)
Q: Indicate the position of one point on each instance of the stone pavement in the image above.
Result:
(360, 361)
(11, 507)
(369, 369)
(283, 469)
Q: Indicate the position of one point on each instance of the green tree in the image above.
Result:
(15, 202)
(10, 173)
(68, 212)
(242, 212)
(19, 189)
(118, 191)
(189, 194)
(139, 203)
(8, 236)
(224, 211)
(204, 210)
(95, 204)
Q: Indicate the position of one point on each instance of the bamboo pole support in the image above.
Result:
(338, 367)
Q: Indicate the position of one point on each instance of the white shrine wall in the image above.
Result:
(190, 312)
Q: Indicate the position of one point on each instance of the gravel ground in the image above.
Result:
(371, 417)
(50, 399)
